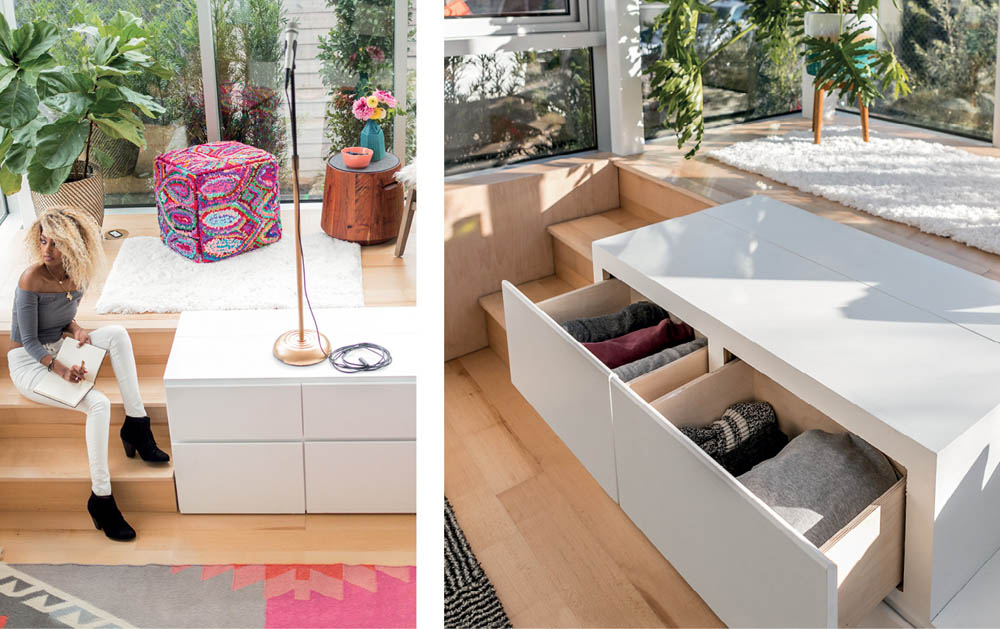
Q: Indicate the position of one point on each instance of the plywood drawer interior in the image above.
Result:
(565, 382)
(865, 556)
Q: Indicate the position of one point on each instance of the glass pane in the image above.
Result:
(948, 48)
(740, 83)
(507, 107)
(340, 42)
(173, 41)
(504, 8)
(4, 209)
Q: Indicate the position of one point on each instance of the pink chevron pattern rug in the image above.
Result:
(335, 595)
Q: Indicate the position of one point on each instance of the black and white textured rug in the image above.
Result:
(469, 597)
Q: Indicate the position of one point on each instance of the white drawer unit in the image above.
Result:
(361, 477)
(253, 435)
(360, 411)
(831, 326)
(566, 384)
(235, 412)
(239, 477)
(731, 547)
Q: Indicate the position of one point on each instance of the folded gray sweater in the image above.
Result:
(632, 317)
(636, 368)
(820, 481)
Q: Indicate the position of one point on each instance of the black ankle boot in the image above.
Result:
(108, 518)
(136, 436)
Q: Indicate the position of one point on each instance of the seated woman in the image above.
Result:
(65, 248)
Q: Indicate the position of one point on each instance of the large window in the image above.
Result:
(740, 83)
(948, 48)
(343, 45)
(507, 107)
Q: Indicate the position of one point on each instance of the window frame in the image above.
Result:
(580, 17)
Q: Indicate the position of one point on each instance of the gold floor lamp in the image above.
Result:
(298, 347)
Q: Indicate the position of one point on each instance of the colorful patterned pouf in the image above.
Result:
(217, 200)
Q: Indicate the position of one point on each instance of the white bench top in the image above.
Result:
(904, 337)
(237, 345)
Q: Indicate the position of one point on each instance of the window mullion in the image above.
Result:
(209, 81)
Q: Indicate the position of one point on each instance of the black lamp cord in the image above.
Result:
(340, 358)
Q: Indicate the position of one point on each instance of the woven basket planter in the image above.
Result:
(85, 194)
(123, 154)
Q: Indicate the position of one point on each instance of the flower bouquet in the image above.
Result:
(373, 109)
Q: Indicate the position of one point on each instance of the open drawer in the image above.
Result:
(569, 386)
(750, 566)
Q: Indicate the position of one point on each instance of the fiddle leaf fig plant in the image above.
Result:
(849, 63)
(48, 112)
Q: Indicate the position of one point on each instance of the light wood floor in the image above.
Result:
(558, 550)
(175, 539)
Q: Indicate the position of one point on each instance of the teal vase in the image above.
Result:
(372, 138)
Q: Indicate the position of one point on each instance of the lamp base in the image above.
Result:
(289, 350)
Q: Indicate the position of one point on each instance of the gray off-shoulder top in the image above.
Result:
(40, 318)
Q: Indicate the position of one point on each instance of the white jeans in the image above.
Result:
(26, 372)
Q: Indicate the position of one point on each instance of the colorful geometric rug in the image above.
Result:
(337, 595)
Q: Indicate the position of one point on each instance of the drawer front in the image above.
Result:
(234, 412)
(565, 383)
(239, 477)
(750, 567)
(360, 411)
(361, 477)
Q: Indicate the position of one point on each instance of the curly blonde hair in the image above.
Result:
(78, 238)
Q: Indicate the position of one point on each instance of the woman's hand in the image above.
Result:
(81, 336)
(72, 374)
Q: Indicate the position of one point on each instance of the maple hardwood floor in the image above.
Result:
(559, 551)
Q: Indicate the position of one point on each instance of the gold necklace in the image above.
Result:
(69, 294)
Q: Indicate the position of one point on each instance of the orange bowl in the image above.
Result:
(356, 156)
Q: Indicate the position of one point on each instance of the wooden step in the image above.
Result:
(571, 242)
(52, 474)
(150, 343)
(492, 305)
(21, 417)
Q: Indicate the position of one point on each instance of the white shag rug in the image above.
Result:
(935, 188)
(149, 277)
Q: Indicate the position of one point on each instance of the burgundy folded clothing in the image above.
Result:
(641, 343)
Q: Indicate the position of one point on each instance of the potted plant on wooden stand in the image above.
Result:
(839, 47)
(49, 113)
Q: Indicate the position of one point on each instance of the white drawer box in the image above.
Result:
(360, 411)
(746, 562)
(235, 412)
(361, 477)
(239, 477)
(568, 385)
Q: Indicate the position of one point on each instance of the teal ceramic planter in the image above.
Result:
(373, 138)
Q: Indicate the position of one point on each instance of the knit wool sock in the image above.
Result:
(636, 368)
(746, 435)
(641, 314)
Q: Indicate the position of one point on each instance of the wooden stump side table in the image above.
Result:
(363, 205)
